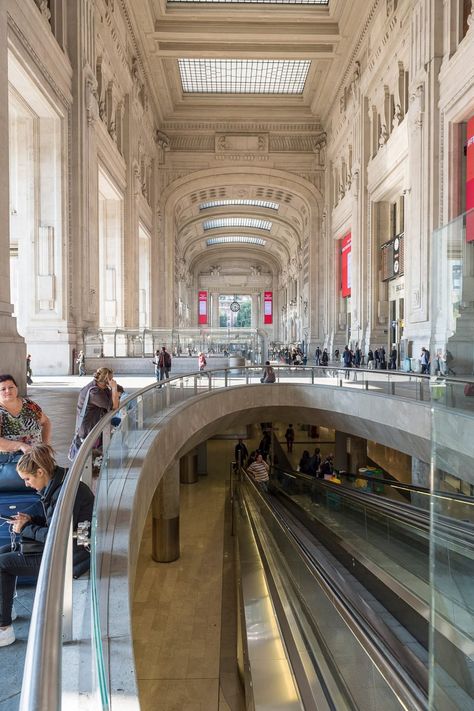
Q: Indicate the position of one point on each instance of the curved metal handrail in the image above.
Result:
(42, 672)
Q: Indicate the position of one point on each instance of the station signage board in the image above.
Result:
(268, 307)
(202, 312)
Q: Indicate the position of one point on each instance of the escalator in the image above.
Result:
(349, 574)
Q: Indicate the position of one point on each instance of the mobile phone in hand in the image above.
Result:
(7, 518)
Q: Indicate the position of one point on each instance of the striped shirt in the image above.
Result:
(259, 471)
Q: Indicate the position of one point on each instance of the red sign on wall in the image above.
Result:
(202, 314)
(470, 180)
(268, 307)
(346, 266)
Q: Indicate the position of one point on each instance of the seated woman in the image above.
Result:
(268, 374)
(39, 471)
(22, 424)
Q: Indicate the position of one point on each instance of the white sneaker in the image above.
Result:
(7, 636)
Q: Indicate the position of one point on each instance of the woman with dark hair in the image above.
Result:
(305, 462)
(22, 421)
(39, 470)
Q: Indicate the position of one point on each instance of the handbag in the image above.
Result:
(77, 441)
(28, 545)
(469, 389)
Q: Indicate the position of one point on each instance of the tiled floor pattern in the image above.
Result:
(184, 612)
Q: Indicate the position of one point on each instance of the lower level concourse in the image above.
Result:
(189, 603)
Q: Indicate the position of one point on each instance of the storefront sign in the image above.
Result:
(202, 315)
(268, 307)
(346, 266)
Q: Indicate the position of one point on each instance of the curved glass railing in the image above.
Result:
(100, 629)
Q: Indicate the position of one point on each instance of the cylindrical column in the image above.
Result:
(202, 459)
(165, 509)
(188, 468)
(340, 451)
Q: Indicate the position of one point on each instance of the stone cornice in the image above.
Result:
(291, 128)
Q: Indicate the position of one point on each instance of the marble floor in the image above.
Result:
(184, 613)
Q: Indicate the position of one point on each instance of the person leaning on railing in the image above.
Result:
(39, 470)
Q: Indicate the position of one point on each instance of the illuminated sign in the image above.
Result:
(202, 314)
(346, 266)
(268, 307)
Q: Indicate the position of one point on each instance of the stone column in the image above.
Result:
(165, 507)
(255, 323)
(214, 310)
(12, 346)
(188, 468)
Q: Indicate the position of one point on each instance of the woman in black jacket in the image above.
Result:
(39, 471)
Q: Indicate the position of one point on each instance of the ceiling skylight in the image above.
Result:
(236, 239)
(259, 2)
(251, 222)
(243, 76)
(248, 203)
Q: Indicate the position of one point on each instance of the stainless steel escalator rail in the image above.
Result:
(41, 688)
(374, 637)
(457, 532)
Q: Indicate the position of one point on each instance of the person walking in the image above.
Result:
(370, 359)
(425, 361)
(81, 362)
(29, 372)
(317, 356)
(202, 362)
(290, 438)
(164, 363)
(393, 358)
(347, 361)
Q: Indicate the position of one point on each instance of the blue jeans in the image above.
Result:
(13, 564)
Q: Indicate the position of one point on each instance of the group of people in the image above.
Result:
(315, 465)
(26, 453)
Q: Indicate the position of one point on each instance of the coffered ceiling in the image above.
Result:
(243, 61)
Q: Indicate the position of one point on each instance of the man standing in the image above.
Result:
(290, 438)
(317, 356)
(241, 453)
(164, 363)
(425, 361)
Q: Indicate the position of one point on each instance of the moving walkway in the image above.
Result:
(353, 571)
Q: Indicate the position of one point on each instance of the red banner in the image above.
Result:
(346, 266)
(268, 307)
(202, 314)
(470, 180)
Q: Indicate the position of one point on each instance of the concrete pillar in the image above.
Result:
(202, 459)
(357, 447)
(13, 349)
(340, 451)
(420, 476)
(188, 468)
(165, 507)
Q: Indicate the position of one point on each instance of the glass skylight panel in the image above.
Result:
(236, 239)
(252, 222)
(257, 2)
(243, 76)
(249, 203)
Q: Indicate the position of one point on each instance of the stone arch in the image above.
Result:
(307, 197)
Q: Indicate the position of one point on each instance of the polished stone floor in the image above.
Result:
(184, 613)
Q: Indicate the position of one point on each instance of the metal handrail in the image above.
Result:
(42, 672)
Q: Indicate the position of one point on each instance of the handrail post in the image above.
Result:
(226, 377)
(140, 415)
